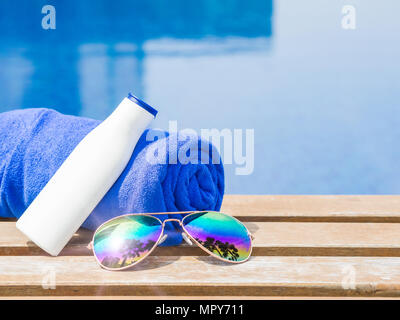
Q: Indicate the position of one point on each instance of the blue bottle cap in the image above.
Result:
(143, 104)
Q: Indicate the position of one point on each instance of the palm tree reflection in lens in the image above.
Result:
(123, 241)
(220, 234)
(224, 250)
(130, 250)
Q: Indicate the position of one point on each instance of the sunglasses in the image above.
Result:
(126, 240)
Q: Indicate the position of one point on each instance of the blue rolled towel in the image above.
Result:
(35, 142)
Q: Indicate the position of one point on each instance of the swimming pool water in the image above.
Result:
(323, 101)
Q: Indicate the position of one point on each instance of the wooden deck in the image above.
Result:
(305, 246)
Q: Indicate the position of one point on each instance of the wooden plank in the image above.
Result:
(271, 239)
(203, 276)
(194, 298)
(310, 208)
(337, 208)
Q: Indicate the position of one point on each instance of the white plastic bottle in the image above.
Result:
(85, 177)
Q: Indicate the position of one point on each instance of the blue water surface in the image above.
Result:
(324, 102)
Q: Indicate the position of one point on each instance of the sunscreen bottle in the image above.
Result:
(85, 177)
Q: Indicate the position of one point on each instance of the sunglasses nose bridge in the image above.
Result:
(172, 219)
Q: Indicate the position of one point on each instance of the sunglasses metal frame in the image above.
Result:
(189, 213)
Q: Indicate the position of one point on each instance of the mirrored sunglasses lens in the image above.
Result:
(220, 234)
(123, 241)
